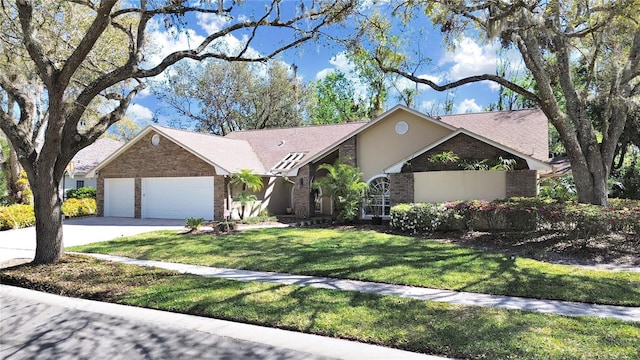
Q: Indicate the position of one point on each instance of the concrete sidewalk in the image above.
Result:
(38, 325)
(461, 298)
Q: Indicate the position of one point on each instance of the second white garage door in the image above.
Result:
(177, 198)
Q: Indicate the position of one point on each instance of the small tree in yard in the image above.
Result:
(70, 69)
(250, 183)
(343, 183)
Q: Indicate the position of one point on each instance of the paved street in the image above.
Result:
(36, 325)
(35, 330)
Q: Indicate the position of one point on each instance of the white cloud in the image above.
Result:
(468, 106)
(212, 23)
(139, 113)
(162, 43)
(470, 58)
(340, 63)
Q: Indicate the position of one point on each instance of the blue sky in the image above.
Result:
(317, 59)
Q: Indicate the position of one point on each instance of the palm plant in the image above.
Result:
(343, 183)
(249, 183)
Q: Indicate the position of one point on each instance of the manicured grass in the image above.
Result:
(373, 256)
(422, 326)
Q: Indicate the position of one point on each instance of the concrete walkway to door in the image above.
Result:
(21, 243)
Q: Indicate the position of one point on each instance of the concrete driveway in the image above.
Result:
(21, 243)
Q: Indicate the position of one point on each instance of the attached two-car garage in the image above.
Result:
(161, 197)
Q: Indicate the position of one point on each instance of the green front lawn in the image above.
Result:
(373, 256)
(421, 326)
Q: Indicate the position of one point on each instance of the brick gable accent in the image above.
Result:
(167, 159)
(466, 147)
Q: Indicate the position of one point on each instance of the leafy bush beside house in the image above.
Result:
(86, 192)
(79, 207)
(16, 216)
(519, 214)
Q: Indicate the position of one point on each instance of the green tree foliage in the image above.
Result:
(376, 81)
(626, 179)
(552, 38)
(343, 183)
(70, 70)
(218, 97)
(124, 130)
(336, 101)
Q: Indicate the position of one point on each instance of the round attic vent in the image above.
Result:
(155, 140)
(402, 127)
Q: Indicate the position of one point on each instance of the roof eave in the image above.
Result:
(532, 163)
(384, 115)
(92, 173)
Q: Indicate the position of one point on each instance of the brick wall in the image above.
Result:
(302, 193)
(465, 147)
(522, 183)
(166, 159)
(347, 150)
(401, 188)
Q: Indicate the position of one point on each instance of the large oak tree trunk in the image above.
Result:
(48, 211)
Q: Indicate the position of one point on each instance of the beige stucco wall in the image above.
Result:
(380, 146)
(440, 186)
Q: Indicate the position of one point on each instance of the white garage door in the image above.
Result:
(177, 198)
(119, 197)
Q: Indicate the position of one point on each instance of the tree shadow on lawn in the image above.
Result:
(370, 256)
(557, 246)
(433, 328)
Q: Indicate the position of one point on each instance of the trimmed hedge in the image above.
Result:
(82, 193)
(79, 207)
(16, 216)
(519, 214)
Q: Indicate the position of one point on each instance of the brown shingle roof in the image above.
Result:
(261, 150)
(523, 130)
(273, 145)
(87, 158)
(229, 154)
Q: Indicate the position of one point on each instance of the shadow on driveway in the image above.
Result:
(21, 243)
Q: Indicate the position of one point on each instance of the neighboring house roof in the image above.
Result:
(87, 158)
(275, 145)
(561, 166)
(523, 130)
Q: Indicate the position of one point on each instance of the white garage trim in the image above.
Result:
(119, 198)
(177, 197)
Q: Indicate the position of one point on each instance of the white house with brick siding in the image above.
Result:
(169, 173)
(86, 159)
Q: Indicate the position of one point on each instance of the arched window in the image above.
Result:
(378, 204)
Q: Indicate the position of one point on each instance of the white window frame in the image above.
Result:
(386, 198)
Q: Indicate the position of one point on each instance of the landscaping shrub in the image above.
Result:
(421, 217)
(16, 216)
(519, 214)
(79, 207)
(86, 192)
(193, 223)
